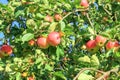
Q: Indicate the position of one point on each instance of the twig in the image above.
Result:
(107, 11)
(89, 19)
(74, 12)
(84, 69)
(115, 70)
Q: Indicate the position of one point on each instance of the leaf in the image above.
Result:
(59, 52)
(60, 74)
(48, 67)
(27, 37)
(18, 13)
(52, 27)
(1, 22)
(95, 60)
(84, 76)
(62, 25)
(84, 59)
(18, 76)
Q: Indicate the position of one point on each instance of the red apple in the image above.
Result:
(58, 17)
(48, 18)
(6, 49)
(53, 38)
(42, 42)
(91, 46)
(31, 42)
(100, 40)
(112, 44)
(84, 3)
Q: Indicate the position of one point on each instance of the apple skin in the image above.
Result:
(54, 38)
(112, 44)
(42, 42)
(48, 18)
(31, 42)
(57, 17)
(30, 78)
(100, 40)
(6, 50)
(91, 46)
(84, 3)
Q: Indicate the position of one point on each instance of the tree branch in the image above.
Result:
(82, 9)
(84, 69)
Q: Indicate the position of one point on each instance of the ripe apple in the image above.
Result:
(91, 46)
(112, 44)
(6, 49)
(84, 3)
(53, 38)
(100, 40)
(57, 17)
(42, 42)
(30, 78)
(31, 42)
(48, 18)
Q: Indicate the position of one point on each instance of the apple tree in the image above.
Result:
(60, 40)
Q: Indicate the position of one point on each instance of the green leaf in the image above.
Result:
(62, 25)
(27, 37)
(18, 13)
(52, 27)
(60, 75)
(84, 59)
(18, 76)
(48, 67)
(84, 76)
(117, 54)
(38, 15)
(95, 60)
(59, 52)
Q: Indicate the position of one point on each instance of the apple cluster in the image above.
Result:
(5, 50)
(100, 41)
(53, 39)
(57, 17)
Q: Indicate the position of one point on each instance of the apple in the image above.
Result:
(100, 40)
(57, 17)
(31, 42)
(6, 49)
(84, 3)
(42, 42)
(112, 44)
(48, 18)
(53, 38)
(91, 46)
(30, 78)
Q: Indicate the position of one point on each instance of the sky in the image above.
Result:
(3, 1)
(1, 34)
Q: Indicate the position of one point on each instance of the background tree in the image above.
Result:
(60, 39)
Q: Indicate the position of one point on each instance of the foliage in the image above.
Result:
(23, 20)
